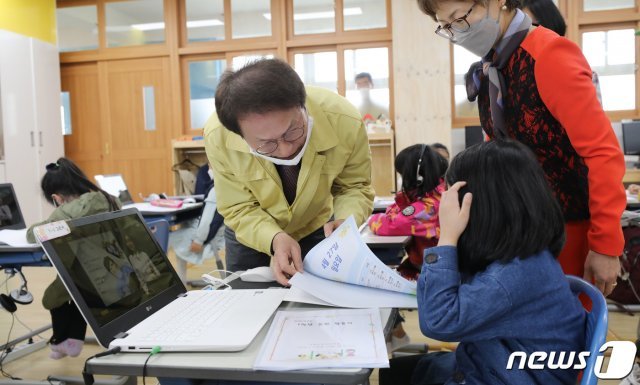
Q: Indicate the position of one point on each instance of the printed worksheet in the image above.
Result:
(344, 257)
(340, 338)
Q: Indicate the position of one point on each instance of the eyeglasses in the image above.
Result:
(52, 166)
(458, 25)
(291, 135)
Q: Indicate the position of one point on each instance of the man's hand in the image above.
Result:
(286, 251)
(195, 247)
(602, 270)
(453, 218)
(330, 226)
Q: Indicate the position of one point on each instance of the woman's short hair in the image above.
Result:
(547, 15)
(431, 169)
(513, 211)
(430, 7)
(259, 87)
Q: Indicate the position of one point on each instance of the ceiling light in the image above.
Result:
(148, 26)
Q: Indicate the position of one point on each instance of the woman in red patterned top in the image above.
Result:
(535, 87)
(415, 212)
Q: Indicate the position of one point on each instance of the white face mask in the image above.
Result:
(288, 162)
(365, 93)
(480, 37)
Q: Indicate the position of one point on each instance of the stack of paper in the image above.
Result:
(342, 271)
(340, 338)
(16, 238)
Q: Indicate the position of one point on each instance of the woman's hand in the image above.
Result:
(453, 218)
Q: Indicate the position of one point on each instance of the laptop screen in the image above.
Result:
(10, 214)
(114, 269)
(114, 185)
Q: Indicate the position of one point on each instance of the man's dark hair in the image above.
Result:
(259, 87)
(547, 14)
(429, 7)
(513, 211)
(432, 169)
(364, 75)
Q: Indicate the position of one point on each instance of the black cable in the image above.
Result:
(88, 377)
(7, 348)
(154, 351)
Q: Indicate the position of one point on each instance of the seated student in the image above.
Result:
(493, 282)
(442, 150)
(66, 187)
(415, 211)
(201, 239)
(633, 189)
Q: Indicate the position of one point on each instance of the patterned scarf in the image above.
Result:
(491, 65)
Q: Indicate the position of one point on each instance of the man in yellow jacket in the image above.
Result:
(290, 164)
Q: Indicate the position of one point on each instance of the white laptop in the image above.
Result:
(131, 297)
(114, 185)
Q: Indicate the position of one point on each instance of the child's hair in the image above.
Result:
(439, 146)
(420, 161)
(513, 212)
(65, 178)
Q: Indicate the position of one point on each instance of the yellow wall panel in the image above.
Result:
(33, 18)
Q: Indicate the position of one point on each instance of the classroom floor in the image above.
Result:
(37, 366)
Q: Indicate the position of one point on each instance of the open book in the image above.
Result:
(342, 271)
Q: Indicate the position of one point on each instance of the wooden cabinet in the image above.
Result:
(29, 117)
(382, 158)
(383, 154)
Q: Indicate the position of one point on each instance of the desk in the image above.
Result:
(230, 365)
(16, 257)
(173, 216)
(389, 249)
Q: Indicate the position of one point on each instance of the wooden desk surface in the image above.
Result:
(631, 175)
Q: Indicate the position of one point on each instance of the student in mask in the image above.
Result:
(290, 164)
(370, 110)
(535, 87)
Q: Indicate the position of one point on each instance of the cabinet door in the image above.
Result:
(84, 143)
(139, 135)
(46, 78)
(19, 123)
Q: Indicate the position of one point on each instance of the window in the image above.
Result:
(313, 16)
(205, 20)
(601, 5)
(375, 62)
(612, 54)
(251, 18)
(204, 76)
(136, 22)
(462, 108)
(318, 69)
(364, 14)
(77, 28)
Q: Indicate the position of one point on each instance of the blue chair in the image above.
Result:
(160, 229)
(597, 325)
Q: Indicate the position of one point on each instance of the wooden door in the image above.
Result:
(85, 144)
(139, 118)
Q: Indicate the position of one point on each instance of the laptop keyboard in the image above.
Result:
(186, 320)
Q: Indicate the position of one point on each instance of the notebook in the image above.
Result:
(114, 185)
(10, 214)
(131, 297)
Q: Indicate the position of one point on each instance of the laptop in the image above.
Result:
(131, 296)
(114, 185)
(10, 214)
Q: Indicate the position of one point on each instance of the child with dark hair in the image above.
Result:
(546, 14)
(415, 211)
(67, 188)
(493, 282)
(442, 150)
